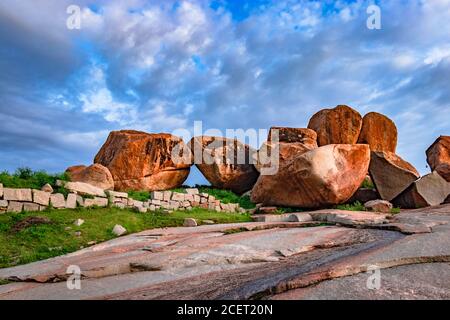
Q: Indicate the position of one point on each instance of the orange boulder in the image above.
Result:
(438, 157)
(96, 175)
(143, 161)
(341, 125)
(379, 132)
(322, 177)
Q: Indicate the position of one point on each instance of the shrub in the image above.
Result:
(27, 178)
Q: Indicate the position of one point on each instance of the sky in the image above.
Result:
(160, 65)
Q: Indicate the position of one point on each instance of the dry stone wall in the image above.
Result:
(83, 195)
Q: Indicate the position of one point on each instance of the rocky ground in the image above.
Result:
(327, 258)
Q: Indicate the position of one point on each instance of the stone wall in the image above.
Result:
(85, 195)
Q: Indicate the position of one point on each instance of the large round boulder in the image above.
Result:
(391, 174)
(225, 163)
(379, 132)
(325, 176)
(142, 161)
(438, 156)
(341, 125)
(96, 175)
(282, 144)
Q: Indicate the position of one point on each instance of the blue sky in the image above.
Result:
(161, 65)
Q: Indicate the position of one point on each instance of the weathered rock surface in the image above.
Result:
(364, 195)
(430, 190)
(225, 163)
(341, 125)
(270, 260)
(438, 156)
(143, 161)
(382, 206)
(47, 188)
(17, 194)
(291, 142)
(325, 176)
(84, 189)
(391, 174)
(379, 132)
(41, 197)
(96, 175)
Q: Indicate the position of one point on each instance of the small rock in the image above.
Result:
(379, 206)
(78, 222)
(267, 210)
(118, 230)
(78, 234)
(189, 222)
(192, 191)
(91, 243)
(208, 222)
(47, 188)
(68, 228)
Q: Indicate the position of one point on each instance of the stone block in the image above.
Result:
(17, 194)
(167, 195)
(1, 190)
(189, 222)
(192, 191)
(3, 203)
(14, 206)
(41, 197)
(80, 201)
(57, 201)
(157, 195)
(71, 202)
(84, 189)
(156, 202)
(31, 207)
(178, 196)
(115, 194)
(98, 202)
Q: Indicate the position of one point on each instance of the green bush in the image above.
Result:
(27, 178)
(357, 206)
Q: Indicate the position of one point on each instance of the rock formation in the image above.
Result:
(143, 161)
(225, 163)
(322, 177)
(391, 174)
(438, 156)
(379, 132)
(96, 175)
(291, 142)
(341, 125)
(430, 190)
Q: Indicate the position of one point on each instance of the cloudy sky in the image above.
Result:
(160, 65)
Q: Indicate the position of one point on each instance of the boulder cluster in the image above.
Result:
(315, 167)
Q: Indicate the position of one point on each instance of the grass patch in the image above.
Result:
(395, 210)
(356, 206)
(44, 241)
(4, 281)
(27, 178)
(139, 195)
(367, 184)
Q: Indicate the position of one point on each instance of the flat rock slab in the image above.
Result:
(264, 260)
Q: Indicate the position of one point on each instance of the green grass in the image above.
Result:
(27, 178)
(45, 241)
(357, 206)
(368, 185)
